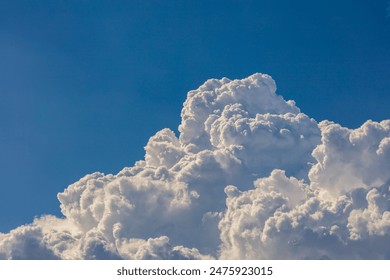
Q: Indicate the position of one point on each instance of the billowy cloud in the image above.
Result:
(249, 177)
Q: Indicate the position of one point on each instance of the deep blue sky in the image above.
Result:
(84, 84)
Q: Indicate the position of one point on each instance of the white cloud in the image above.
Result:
(374, 219)
(348, 159)
(283, 218)
(249, 176)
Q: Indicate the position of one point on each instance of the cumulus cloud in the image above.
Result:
(347, 159)
(284, 218)
(249, 176)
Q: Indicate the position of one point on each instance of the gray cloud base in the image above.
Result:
(249, 177)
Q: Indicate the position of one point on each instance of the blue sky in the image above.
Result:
(84, 84)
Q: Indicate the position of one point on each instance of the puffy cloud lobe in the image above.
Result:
(136, 206)
(256, 93)
(52, 238)
(283, 218)
(156, 248)
(245, 227)
(249, 176)
(374, 219)
(163, 149)
(25, 242)
(262, 142)
(347, 159)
